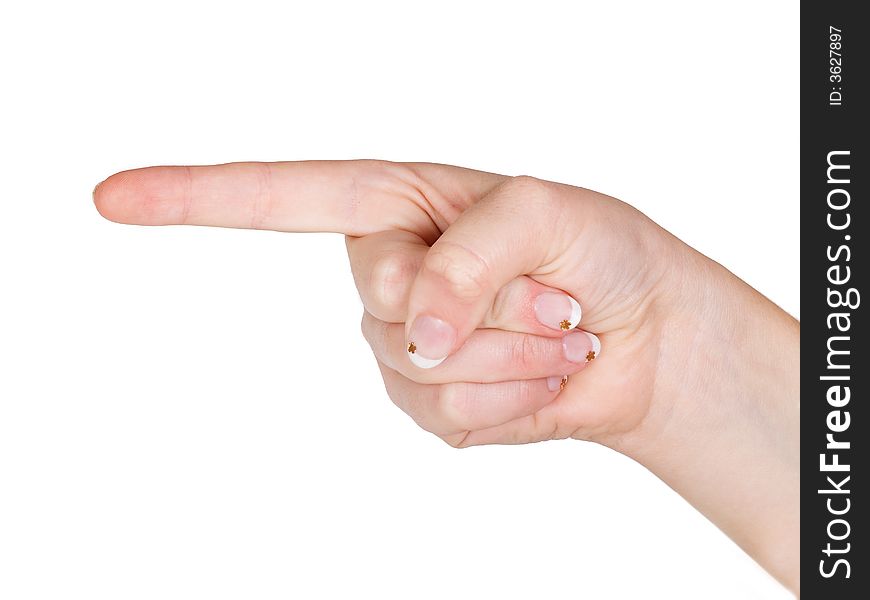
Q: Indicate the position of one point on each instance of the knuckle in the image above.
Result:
(454, 401)
(499, 312)
(527, 353)
(396, 397)
(364, 325)
(531, 189)
(537, 195)
(527, 183)
(464, 272)
(390, 280)
(261, 203)
(456, 440)
(507, 306)
(373, 331)
(368, 179)
(526, 393)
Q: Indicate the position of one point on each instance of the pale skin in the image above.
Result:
(697, 374)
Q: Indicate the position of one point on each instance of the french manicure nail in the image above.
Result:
(581, 347)
(557, 311)
(596, 347)
(429, 341)
(553, 383)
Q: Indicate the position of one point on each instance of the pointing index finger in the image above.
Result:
(350, 197)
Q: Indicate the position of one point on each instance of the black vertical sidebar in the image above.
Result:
(835, 225)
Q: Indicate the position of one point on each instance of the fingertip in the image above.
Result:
(576, 313)
(101, 201)
(557, 310)
(148, 196)
(596, 347)
(425, 363)
(430, 341)
(556, 382)
(580, 347)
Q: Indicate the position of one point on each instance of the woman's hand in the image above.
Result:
(697, 377)
(509, 241)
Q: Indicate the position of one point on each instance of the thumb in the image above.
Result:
(514, 230)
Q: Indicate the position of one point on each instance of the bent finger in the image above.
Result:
(456, 408)
(384, 266)
(516, 230)
(488, 356)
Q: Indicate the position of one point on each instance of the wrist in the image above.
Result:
(722, 425)
(718, 341)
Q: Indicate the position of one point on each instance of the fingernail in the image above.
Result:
(557, 311)
(430, 341)
(580, 346)
(554, 384)
(596, 347)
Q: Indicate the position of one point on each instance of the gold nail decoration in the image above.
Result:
(590, 356)
(412, 347)
(563, 383)
(565, 325)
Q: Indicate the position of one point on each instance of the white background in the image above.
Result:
(175, 418)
